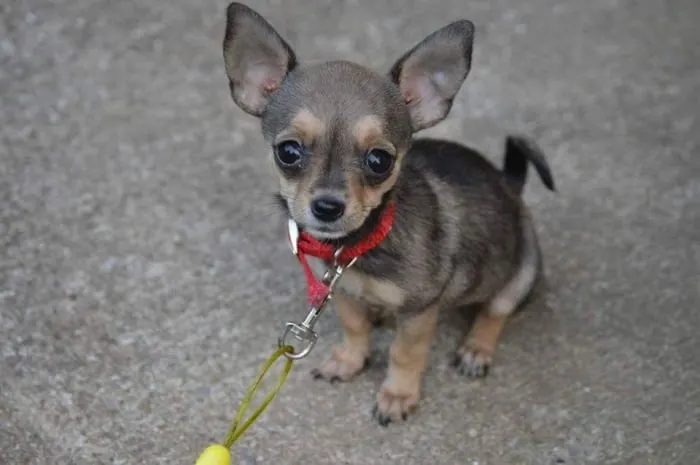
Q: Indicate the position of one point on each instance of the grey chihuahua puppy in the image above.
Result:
(343, 147)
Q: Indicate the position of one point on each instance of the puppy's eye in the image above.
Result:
(378, 162)
(289, 154)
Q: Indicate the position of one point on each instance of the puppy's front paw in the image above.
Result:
(342, 365)
(396, 401)
(472, 363)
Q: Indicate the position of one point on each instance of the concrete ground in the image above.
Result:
(144, 273)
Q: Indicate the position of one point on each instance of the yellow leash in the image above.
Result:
(219, 454)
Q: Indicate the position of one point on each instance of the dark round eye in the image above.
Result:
(289, 154)
(378, 162)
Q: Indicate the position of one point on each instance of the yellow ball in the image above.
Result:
(215, 454)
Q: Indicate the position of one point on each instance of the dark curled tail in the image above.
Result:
(518, 152)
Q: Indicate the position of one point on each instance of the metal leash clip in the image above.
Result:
(304, 332)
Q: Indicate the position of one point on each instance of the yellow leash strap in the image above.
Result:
(219, 454)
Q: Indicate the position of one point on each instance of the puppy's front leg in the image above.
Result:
(408, 355)
(350, 358)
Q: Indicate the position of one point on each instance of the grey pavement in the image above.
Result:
(144, 274)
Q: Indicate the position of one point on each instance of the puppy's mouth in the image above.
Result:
(324, 232)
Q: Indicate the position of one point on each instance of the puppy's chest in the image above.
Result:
(372, 290)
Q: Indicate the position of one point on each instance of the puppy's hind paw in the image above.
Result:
(472, 363)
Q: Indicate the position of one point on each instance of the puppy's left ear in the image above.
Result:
(431, 73)
(257, 58)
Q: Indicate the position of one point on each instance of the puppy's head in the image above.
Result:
(338, 131)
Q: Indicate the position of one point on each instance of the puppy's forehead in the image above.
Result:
(324, 96)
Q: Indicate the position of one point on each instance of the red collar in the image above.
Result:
(317, 290)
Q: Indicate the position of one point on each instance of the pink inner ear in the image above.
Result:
(408, 89)
(418, 88)
(423, 98)
(270, 84)
(264, 77)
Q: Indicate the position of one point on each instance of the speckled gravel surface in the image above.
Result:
(144, 273)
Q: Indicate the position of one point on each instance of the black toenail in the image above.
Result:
(316, 373)
(404, 416)
(335, 379)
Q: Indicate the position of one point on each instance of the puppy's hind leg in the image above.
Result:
(473, 358)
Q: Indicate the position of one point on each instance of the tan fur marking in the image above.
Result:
(288, 189)
(375, 291)
(370, 197)
(305, 126)
(348, 359)
(487, 330)
(355, 322)
(408, 356)
(368, 132)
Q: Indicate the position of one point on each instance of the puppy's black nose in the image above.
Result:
(327, 208)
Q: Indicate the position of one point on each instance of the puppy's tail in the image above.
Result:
(519, 151)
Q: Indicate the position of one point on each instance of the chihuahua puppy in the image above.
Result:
(341, 139)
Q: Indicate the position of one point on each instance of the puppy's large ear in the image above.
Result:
(257, 59)
(431, 73)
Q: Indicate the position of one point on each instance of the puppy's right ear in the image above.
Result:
(257, 59)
